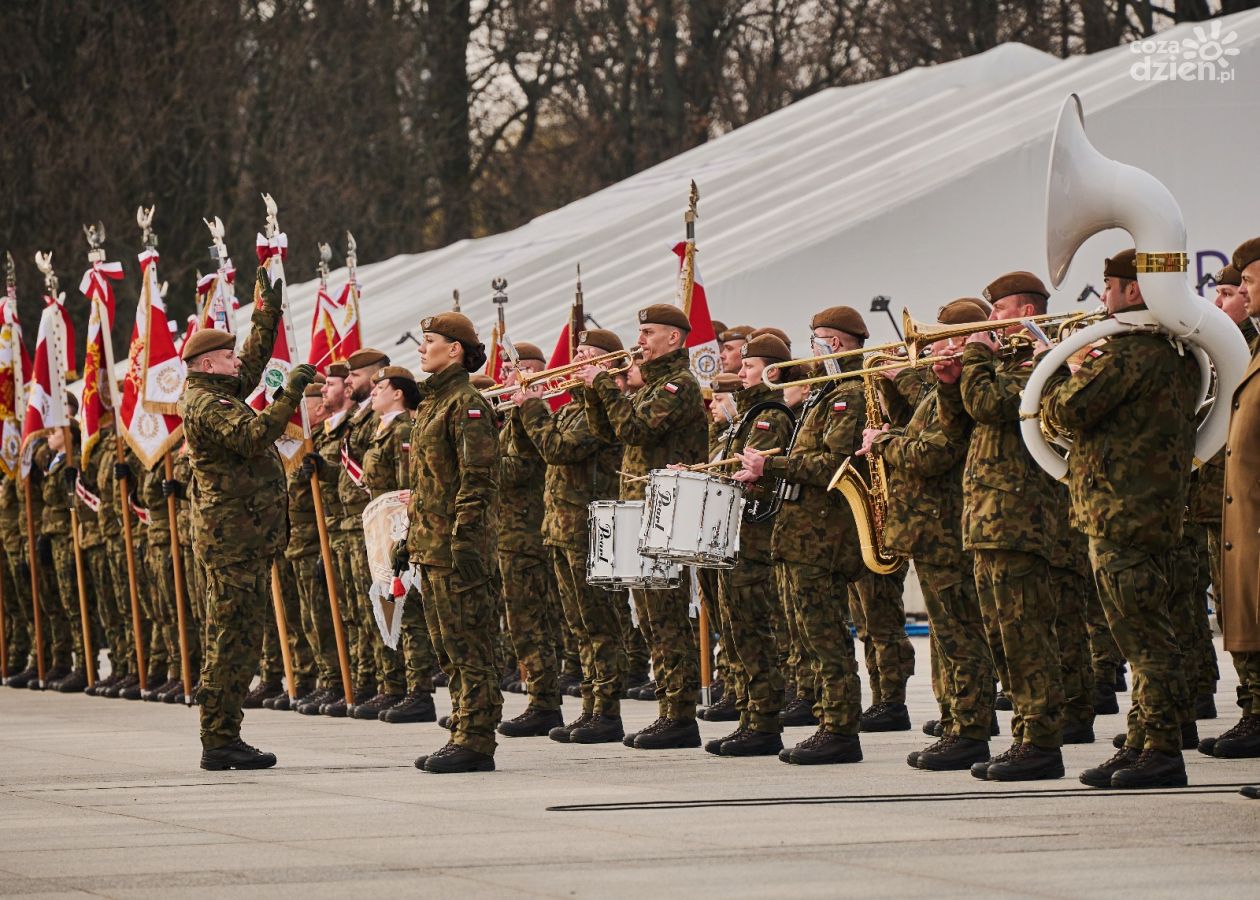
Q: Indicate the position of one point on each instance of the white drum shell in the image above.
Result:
(613, 560)
(692, 519)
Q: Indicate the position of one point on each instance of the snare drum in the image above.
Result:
(692, 519)
(613, 560)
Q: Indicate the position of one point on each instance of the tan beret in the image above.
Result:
(766, 346)
(963, 310)
(726, 383)
(1122, 265)
(312, 389)
(481, 381)
(718, 326)
(1015, 283)
(1247, 253)
(735, 333)
(453, 326)
(777, 332)
(394, 372)
(338, 370)
(664, 314)
(841, 318)
(600, 339)
(526, 350)
(1228, 275)
(361, 359)
(203, 340)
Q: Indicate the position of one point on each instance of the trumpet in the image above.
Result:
(920, 334)
(553, 381)
(818, 379)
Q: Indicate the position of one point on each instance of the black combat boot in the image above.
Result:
(51, 678)
(373, 708)
(715, 746)
(566, 680)
(633, 736)
(722, 711)
(1152, 769)
(958, 755)
(310, 705)
(934, 728)
(1250, 791)
(445, 722)
(981, 769)
(134, 692)
(157, 689)
(23, 678)
(825, 748)
(265, 691)
(644, 692)
(440, 678)
(1105, 703)
(1240, 742)
(173, 694)
(1078, 733)
(1120, 740)
(675, 734)
(102, 684)
(236, 755)
(598, 729)
(1003, 702)
(1189, 735)
(1120, 685)
(798, 712)
(458, 759)
(1205, 706)
(1100, 776)
(561, 733)
(1028, 763)
(417, 706)
(886, 717)
(534, 722)
(125, 683)
(339, 709)
(753, 743)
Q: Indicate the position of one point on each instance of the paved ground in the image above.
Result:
(104, 798)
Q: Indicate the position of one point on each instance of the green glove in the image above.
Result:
(268, 292)
(468, 565)
(299, 377)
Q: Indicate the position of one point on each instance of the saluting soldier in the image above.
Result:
(816, 537)
(238, 512)
(454, 488)
(661, 423)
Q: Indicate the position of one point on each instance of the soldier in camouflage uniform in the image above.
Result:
(748, 594)
(523, 564)
(662, 423)
(194, 581)
(238, 512)
(161, 571)
(454, 488)
(92, 545)
(120, 495)
(1071, 582)
(1011, 511)
(15, 572)
(57, 549)
(111, 569)
(1131, 409)
(581, 467)
(815, 535)
(925, 486)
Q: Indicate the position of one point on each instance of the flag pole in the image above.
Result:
(30, 546)
(89, 657)
(129, 544)
(181, 595)
(282, 627)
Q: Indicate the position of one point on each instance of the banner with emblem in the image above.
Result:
(325, 336)
(701, 342)
(100, 393)
(46, 399)
(219, 303)
(349, 330)
(385, 523)
(155, 374)
(15, 368)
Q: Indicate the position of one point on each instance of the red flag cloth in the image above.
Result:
(155, 374)
(494, 361)
(220, 301)
(560, 357)
(276, 372)
(325, 337)
(349, 330)
(46, 402)
(98, 398)
(15, 369)
(701, 341)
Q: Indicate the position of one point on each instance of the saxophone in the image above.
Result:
(869, 500)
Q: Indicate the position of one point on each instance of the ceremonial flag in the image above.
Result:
(272, 252)
(701, 341)
(494, 362)
(46, 400)
(349, 331)
(219, 303)
(99, 389)
(325, 335)
(155, 374)
(15, 368)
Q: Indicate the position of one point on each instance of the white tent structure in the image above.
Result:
(923, 186)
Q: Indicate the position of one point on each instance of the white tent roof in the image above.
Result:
(923, 186)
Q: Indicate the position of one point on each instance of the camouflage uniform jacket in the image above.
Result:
(183, 511)
(581, 467)
(328, 446)
(902, 395)
(354, 443)
(385, 464)
(100, 481)
(772, 428)
(522, 480)
(925, 486)
(89, 520)
(661, 423)
(152, 499)
(12, 517)
(1207, 484)
(55, 517)
(238, 485)
(1009, 502)
(1131, 409)
(817, 528)
(454, 471)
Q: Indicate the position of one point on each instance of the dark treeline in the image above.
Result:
(416, 123)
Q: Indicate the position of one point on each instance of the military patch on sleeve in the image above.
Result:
(763, 426)
(1095, 353)
(474, 413)
(839, 406)
(406, 448)
(671, 387)
(223, 402)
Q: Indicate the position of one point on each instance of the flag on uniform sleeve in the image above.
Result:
(155, 374)
(701, 342)
(99, 389)
(46, 398)
(15, 368)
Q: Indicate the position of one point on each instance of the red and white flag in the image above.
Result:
(691, 298)
(100, 394)
(271, 254)
(325, 336)
(46, 398)
(561, 356)
(219, 304)
(155, 374)
(15, 368)
(349, 331)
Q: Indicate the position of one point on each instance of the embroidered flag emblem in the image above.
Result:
(763, 426)
(474, 414)
(839, 406)
(671, 387)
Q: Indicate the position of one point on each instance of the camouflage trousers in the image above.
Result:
(597, 618)
(1192, 575)
(18, 631)
(419, 660)
(354, 606)
(164, 645)
(527, 607)
(96, 559)
(672, 640)
(1135, 588)
(1105, 656)
(125, 634)
(271, 661)
(315, 612)
(462, 626)
(237, 604)
(1071, 590)
(746, 596)
(961, 648)
(633, 642)
(818, 599)
(879, 613)
(724, 661)
(67, 617)
(1014, 590)
(797, 672)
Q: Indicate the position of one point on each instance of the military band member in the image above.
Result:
(1011, 511)
(238, 512)
(454, 488)
(730, 342)
(661, 423)
(815, 535)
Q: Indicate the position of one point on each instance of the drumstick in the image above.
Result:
(702, 467)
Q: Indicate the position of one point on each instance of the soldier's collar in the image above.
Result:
(228, 384)
(666, 363)
(452, 374)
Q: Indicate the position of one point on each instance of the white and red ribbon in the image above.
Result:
(267, 247)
